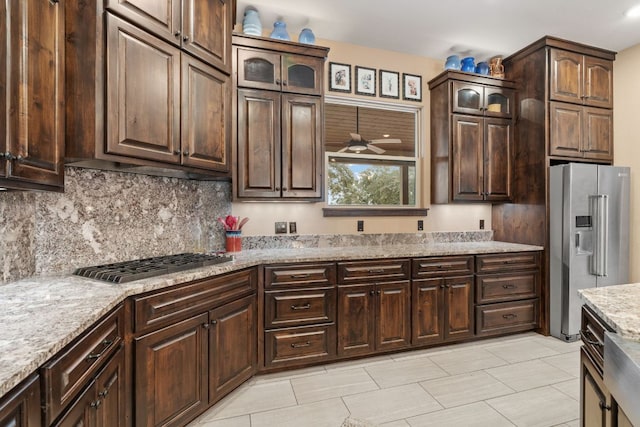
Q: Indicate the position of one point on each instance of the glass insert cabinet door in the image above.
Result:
(481, 100)
(286, 73)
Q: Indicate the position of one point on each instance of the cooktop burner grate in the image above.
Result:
(127, 271)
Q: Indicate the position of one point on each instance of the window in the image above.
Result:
(371, 154)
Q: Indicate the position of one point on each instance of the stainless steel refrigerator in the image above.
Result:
(589, 238)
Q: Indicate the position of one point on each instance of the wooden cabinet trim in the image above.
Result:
(21, 406)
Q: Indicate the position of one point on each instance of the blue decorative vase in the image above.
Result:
(468, 64)
(452, 63)
(307, 36)
(482, 68)
(251, 24)
(280, 31)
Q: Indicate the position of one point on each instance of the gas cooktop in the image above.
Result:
(127, 271)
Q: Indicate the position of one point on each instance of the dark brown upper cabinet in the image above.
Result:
(580, 79)
(472, 128)
(202, 28)
(279, 102)
(142, 97)
(32, 95)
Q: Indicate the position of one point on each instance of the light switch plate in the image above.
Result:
(293, 229)
(360, 225)
(281, 228)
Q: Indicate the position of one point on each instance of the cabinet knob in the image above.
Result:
(378, 292)
(96, 404)
(284, 188)
(441, 286)
(371, 292)
(205, 325)
(277, 188)
(277, 81)
(185, 153)
(185, 39)
(177, 34)
(176, 152)
(284, 83)
(604, 406)
(214, 322)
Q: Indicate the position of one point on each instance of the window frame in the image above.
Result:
(395, 210)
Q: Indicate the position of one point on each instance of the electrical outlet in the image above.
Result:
(281, 228)
(482, 224)
(360, 225)
(420, 225)
(293, 229)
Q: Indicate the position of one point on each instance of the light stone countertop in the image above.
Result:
(40, 315)
(617, 305)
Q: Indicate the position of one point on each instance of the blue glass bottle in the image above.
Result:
(251, 24)
(280, 31)
(307, 36)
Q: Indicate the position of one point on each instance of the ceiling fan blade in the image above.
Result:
(375, 149)
(343, 149)
(356, 137)
(385, 141)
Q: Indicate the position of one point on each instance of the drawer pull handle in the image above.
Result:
(584, 335)
(376, 270)
(509, 286)
(509, 316)
(94, 356)
(307, 306)
(300, 276)
(604, 406)
(306, 344)
(96, 404)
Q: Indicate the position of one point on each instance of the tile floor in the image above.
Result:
(520, 380)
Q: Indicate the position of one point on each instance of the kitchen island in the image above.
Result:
(619, 308)
(44, 314)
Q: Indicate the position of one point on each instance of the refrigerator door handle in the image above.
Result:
(600, 211)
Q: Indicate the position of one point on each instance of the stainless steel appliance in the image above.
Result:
(127, 271)
(589, 238)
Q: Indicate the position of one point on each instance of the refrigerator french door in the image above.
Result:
(589, 238)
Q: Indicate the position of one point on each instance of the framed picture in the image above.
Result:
(339, 77)
(412, 87)
(389, 84)
(365, 81)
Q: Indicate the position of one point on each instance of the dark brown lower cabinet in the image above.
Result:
(374, 317)
(103, 402)
(232, 346)
(21, 407)
(172, 371)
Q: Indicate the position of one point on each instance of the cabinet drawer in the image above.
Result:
(294, 346)
(506, 317)
(507, 287)
(442, 266)
(300, 307)
(71, 369)
(299, 275)
(372, 271)
(166, 307)
(495, 263)
(592, 333)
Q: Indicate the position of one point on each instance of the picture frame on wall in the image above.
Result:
(389, 84)
(365, 81)
(412, 87)
(339, 77)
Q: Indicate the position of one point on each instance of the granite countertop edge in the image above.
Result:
(45, 313)
(618, 306)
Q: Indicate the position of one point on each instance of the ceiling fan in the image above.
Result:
(358, 144)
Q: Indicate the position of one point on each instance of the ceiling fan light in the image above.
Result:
(357, 148)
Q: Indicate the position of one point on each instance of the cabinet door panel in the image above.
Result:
(161, 17)
(21, 406)
(566, 76)
(356, 315)
(565, 122)
(112, 391)
(393, 320)
(207, 27)
(143, 95)
(34, 93)
(258, 146)
(598, 133)
(260, 70)
(171, 373)
(594, 395)
(468, 157)
(427, 311)
(459, 321)
(82, 412)
(499, 102)
(206, 116)
(302, 74)
(598, 82)
(301, 146)
(498, 152)
(232, 346)
(467, 98)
